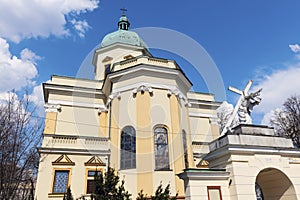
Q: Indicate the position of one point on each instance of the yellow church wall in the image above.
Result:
(200, 129)
(127, 117)
(196, 109)
(186, 126)
(144, 143)
(150, 111)
(131, 181)
(50, 123)
(128, 113)
(103, 124)
(114, 133)
(160, 109)
(66, 122)
(77, 174)
(178, 153)
(202, 96)
(77, 121)
(164, 178)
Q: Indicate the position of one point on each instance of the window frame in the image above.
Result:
(214, 188)
(106, 67)
(54, 179)
(167, 147)
(91, 178)
(131, 152)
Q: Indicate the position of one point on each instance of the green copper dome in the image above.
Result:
(123, 35)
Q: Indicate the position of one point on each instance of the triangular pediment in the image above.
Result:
(94, 161)
(128, 57)
(107, 58)
(202, 164)
(63, 160)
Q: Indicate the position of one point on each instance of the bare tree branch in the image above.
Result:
(286, 121)
(20, 134)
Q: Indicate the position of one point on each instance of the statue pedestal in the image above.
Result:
(254, 154)
(250, 129)
(248, 135)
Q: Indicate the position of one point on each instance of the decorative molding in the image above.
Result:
(76, 104)
(134, 87)
(294, 161)
(94, 161)
(142, 88)
(52, 107)
(204, 174)
(63, 160)
(112, 97)
(82, 151)
(102, 110)
(180, 96)
(64, 139)
(204, 115)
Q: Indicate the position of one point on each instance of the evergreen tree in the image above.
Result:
(68, 195)
(108, 187)
(141, 196)
(160, 194)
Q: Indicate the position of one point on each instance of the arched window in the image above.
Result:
(128, 148)
(161, 148)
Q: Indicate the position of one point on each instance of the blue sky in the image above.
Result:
(255, 40)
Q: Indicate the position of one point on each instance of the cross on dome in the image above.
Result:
(123, 23)
(123, 10)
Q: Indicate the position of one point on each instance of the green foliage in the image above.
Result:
(68, 195)
(160, 194)
(108, 187)
(141, 196)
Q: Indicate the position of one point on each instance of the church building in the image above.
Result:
(139, 117)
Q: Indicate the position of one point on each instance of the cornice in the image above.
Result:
(48, 150)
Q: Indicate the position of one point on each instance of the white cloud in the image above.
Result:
(81, 26)
(295, 48)
(16, 73)
(28, 55)
(37, 98)
(31, 18)
(277, 87)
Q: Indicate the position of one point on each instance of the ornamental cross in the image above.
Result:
(123, 10)
(244, 105)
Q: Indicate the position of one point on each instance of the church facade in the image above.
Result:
(139, 117)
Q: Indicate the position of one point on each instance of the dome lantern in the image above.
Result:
(123, 35)
(123, 23)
